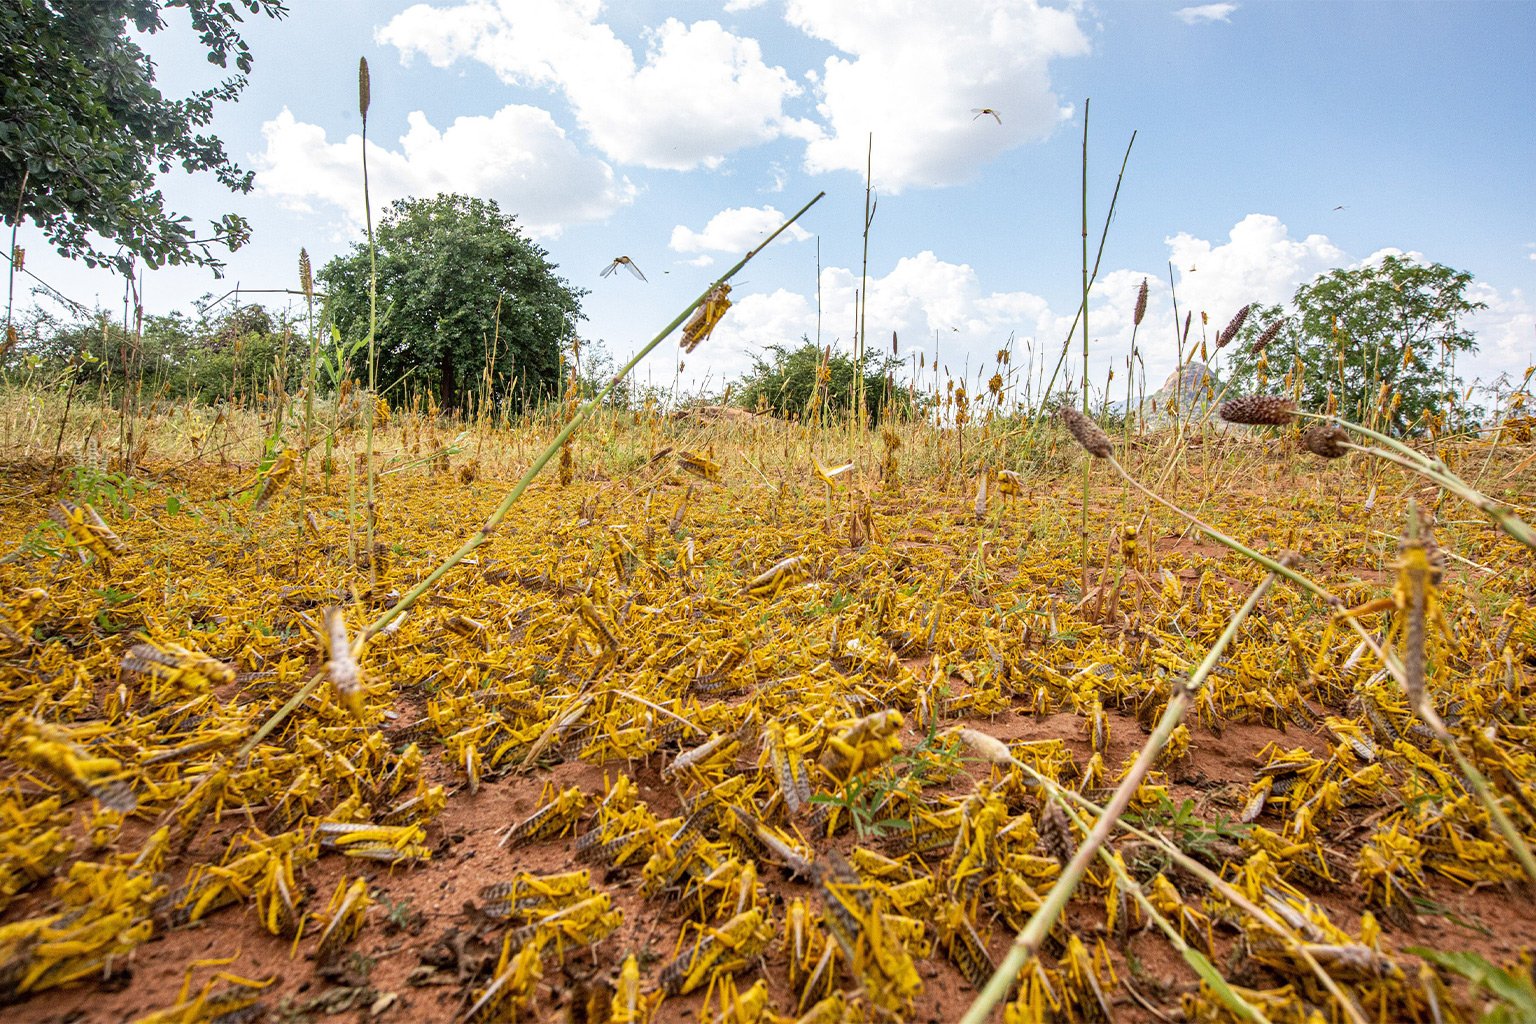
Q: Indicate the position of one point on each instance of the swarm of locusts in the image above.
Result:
(789, 744)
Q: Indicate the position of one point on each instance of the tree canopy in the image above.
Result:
(85, 131)
(800, 381)
(460, 292)
(1376, 343)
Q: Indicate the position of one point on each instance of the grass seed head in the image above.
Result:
(1266, 336)
(1259, 410)
(1230, 331)
(306, 278)
(1325, 440)
(363, 91)
(1141, 304)
(1088, 433)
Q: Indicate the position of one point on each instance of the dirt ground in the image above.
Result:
(602, 612)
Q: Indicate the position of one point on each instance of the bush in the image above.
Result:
(808, 382)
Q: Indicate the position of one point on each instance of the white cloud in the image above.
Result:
(913, 73)
(700, 92)
(737, 6)
(937, 306)
(929, 301)
(1506, 335)
(921, 297)
(1205, 12)
(518, 156)
(734, 230)
(1259, 262)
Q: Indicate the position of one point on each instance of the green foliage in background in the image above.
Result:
(1397, 325)
(232, 355)
(786, 383)
(461, 291)
(85, 130)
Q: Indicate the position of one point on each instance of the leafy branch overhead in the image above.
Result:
(87, 131)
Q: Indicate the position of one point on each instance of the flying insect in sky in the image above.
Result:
(622, 261)
(979, 111)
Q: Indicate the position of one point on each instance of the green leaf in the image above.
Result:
(1514, 989)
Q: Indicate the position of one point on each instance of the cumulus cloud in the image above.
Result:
(1505, 333)
(930, 301)
(1259, 262)
(921, 298)
(734, 230)
(912, 74)
(948, 312)
(698, 92)
(518, 156)
(1205, 12)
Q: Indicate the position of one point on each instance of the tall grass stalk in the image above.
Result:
(1039, 405)
(1137, 315)
(1083, 315)
(307, 284)
(1026, 945)
(870, 204)
(364, 94)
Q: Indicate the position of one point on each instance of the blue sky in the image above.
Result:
(677, 133)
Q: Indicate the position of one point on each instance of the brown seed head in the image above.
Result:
(1269, 334)
(306, 279)
(1325, 440)
(1230, 331)
(1259, 410)
(1087, 432)
(362, 88)
(1141, 304)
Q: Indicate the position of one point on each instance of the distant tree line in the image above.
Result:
(470, 312)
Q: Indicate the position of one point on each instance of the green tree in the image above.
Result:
(786, 384)
(1381, 341)
(463, 295)
(239, 353)
(85, 131)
